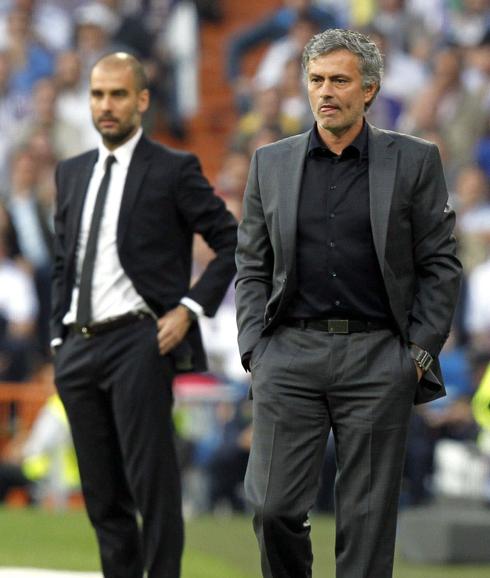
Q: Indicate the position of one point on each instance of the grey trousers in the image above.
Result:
(306, 383)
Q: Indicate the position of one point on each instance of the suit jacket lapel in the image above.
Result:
(78, 200)
(289, 188)
(136, 172)
(382, 172)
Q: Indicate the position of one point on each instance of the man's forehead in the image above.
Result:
(340, 58)
(112, 75)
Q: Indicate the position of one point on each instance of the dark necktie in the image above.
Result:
(84, 310)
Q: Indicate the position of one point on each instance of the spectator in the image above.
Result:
(468, 22)
(448, 107)
(482, 152)
(398, 24)
(131, 30)
(265, 114)
(481, 410)
(276, 25)
(18, 309)
(8, 233)
(51, 20)
(232, 177)
(433, 14)
(472, 200)
(264, 136)
(476, 72)
(94, 25)
(44, 463)
(71, 103)
(177, 48)
(64, 136)
(478, 309)
(449, 417)
(34, 233)
(294, 100)
(164, 36)
(29, 59)
(405, 75)
(271, 67)
(13, 107)
(228, 462)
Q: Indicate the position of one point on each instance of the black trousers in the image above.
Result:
(117, 391)
(306, 384)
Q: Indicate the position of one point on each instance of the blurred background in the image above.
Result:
(225, 78)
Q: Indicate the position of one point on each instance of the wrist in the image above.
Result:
(191, 315)
(423, 359)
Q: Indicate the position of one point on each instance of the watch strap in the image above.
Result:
(422, 358)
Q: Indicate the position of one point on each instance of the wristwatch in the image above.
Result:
(422, 358)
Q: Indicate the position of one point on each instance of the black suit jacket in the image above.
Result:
(412, 231)
(166, 200)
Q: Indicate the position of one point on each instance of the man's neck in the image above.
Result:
(337, 142)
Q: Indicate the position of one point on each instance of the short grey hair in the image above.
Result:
(370, 58)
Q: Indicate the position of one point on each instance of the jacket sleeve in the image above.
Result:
(254, 258)
(56, 325)
(206, 214)
(437, 269)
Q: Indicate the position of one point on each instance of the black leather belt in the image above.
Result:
(338, 325)
(108, 324)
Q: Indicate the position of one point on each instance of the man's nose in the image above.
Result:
(106, 103)
(326, 88)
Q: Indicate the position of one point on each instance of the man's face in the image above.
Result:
(116, 103)
(335, 91)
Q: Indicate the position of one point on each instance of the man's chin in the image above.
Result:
(115, 138)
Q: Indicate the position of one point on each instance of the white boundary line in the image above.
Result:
(36, 573)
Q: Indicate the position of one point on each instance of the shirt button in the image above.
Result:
(332, 215)
(334, 274)
(337, 303)
(332, 244)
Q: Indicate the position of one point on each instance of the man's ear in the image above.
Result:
(370, 93)
(143, 100)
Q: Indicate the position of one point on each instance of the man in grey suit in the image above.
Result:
(347, 282)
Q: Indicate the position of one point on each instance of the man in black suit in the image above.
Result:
(124, 317)
(347, 281)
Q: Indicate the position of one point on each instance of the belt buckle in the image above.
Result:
(85, 331)
(338, 326)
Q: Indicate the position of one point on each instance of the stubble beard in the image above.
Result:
(118, 137)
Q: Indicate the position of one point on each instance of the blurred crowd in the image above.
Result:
(47, 48)
(436, 86)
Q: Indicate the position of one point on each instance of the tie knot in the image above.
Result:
(110, 160)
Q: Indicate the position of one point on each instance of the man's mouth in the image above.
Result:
(107, 121)
(328, 108)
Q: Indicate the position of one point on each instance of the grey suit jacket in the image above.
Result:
(412, 230)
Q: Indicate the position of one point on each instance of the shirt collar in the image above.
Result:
(358, 147)
(122, 153)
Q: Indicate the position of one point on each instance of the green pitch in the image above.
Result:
(218, 547)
